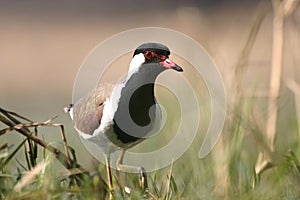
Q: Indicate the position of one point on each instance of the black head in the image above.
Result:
(157, 48)
(157, 53)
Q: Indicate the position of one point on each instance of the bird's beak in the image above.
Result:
(169, 64)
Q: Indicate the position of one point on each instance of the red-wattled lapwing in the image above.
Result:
(120, 116)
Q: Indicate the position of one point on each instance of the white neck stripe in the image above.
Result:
(111, 104)
(135, 64)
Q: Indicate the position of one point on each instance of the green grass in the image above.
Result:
(187, 178)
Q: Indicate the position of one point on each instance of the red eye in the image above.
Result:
(163, 57)
(149, 55)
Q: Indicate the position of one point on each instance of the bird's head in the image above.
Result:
(153, 53)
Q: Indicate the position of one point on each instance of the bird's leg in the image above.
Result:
(133, 169)
(109, 177)
(119, 181)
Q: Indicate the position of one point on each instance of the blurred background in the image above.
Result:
(43, 43)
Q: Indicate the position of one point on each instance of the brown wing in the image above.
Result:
(87, 111)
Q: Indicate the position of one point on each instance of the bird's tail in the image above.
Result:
(68, 108)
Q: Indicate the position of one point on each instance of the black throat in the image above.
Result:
(135, 115)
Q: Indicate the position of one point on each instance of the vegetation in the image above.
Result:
(188, 178)
(247, 162)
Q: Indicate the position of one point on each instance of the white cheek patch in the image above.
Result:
(135, 64)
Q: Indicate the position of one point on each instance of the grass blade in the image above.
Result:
(2, 165)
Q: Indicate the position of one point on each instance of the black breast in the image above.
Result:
(135, 116)
(136, 112)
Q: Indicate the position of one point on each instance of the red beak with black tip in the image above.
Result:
(169, 64)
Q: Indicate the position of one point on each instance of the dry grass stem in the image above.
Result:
(23, 128)
(281, 10)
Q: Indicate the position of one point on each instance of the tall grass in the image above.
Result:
(188, 177)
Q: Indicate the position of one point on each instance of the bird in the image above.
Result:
(121, 115)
